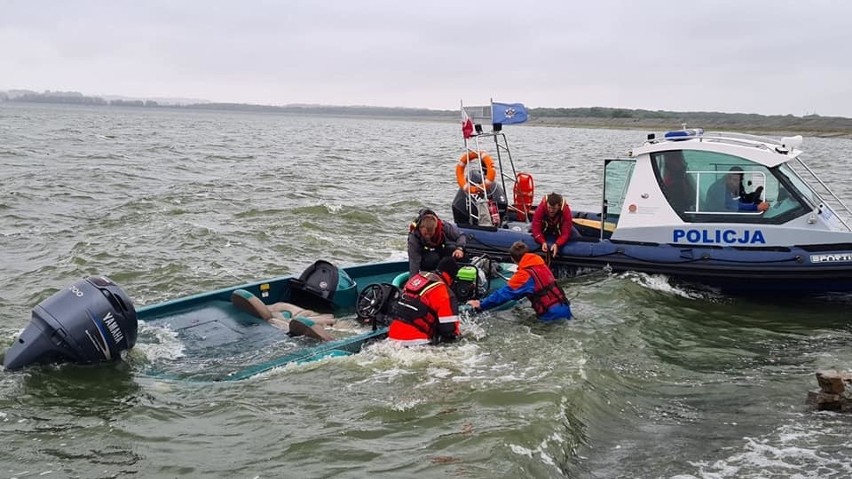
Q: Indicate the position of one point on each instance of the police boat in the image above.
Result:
(735, 212)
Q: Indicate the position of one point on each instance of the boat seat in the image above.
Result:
(577, 235)
(322, 287)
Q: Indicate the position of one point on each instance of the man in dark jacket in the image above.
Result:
(431, 239)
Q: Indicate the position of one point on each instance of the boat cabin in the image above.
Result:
(722, 189)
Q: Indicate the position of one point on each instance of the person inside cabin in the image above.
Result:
(553, 224)
(728, 194)
(466, 201)
(430, 239)
(293, 319)
(427, 311)
(678, 186)
(534, 280)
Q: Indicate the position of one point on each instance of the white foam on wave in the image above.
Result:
(446, 355)
(332, 207)
(660, 282)
(391, 361)
(470, 328)
(160, 342)
(540, 451)
(813, 449)
(404, 404)
(462, 362)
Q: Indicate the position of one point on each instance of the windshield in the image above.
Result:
(808, 194)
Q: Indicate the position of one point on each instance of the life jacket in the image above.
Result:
(552, 226)
(546, 295)
(411, 309)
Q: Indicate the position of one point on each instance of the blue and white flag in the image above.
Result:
(508, 113)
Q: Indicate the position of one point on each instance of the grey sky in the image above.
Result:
(760, 56)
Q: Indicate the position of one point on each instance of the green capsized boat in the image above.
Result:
(220, 342)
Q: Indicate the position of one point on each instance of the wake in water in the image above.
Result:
(662, 283)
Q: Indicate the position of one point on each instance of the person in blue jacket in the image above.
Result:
(728, 194)
(532, 280)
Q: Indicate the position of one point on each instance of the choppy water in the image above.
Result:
(652, 380)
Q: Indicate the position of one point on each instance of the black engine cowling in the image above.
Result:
(91, 321)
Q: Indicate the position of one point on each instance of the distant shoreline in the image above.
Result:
(595, 117)
(804, 129)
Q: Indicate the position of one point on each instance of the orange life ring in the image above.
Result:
(487, 163)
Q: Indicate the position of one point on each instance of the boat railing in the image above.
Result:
(502, 153)
(742, 138)
(501, 146)
(731, 138)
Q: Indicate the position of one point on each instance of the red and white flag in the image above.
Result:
(467, 125)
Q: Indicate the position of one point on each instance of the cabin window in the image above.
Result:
(711, 187)
(677, 181)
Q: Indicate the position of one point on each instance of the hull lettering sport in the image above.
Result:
(726, 237)
(831, 258)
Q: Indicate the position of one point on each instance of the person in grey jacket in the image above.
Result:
(430, 239)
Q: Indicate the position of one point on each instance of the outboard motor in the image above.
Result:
(90, 321)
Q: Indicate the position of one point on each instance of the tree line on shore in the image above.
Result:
(69, 98)
(577, 117)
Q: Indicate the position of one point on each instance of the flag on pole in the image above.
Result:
(508, 113)
(467, 125)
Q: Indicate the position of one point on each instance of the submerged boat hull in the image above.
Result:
(221, 342)
(218, 341)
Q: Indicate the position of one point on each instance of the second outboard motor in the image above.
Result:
(90, 321)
